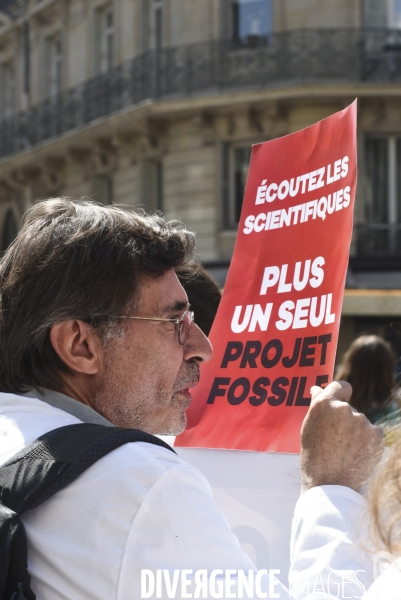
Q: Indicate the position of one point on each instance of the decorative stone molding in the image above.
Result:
(53, 173)
(205, 122)
(104, 156)
(255, 118)
(79, 155)
(152, 138)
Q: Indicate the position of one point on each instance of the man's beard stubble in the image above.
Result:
(139, 409)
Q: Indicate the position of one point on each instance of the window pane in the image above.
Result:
(104, 39)
(26, 58)
(58, 66)
(394, 14)
(54, 56)
(376, 237)
(109, 53)
(398, 180)
(252, 19)
(376, 197)
(158, 28)
(108, 43)
(397, 9)
(242, 157)
(376, 13)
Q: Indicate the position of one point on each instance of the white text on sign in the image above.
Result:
(299, 314)
(303, 183)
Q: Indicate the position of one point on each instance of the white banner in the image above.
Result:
(257, 493)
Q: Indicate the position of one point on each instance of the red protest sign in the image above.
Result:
(276, 330)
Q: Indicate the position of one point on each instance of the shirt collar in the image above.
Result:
(73, 407)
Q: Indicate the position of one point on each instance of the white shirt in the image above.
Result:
(329, 545)
(139, 507)
(142, 507)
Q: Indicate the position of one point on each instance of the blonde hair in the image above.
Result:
(384, 501)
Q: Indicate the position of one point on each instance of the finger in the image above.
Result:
(337, 390)
(379, 433)
(315, 391)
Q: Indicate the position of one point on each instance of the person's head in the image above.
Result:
(73, 271)
(203, 294)
(368, 365)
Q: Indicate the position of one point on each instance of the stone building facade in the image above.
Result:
(156, 103)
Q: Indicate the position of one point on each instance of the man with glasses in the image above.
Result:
(95, 327)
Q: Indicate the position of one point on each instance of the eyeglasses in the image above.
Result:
(183, 324)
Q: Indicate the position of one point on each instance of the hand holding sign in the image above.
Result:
(276, 330)
(339, 445)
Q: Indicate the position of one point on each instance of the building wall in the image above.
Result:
(77, 40)
(300, 14)
(183, 22)
(189, 149)
(190, 183)
(178, 155)
(188, 22)
(76, 183)
(126, 184)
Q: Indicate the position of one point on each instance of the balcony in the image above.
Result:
(378, 247)
(286, 58)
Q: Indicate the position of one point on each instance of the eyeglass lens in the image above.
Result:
(183, 327)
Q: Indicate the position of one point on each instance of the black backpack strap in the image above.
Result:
(14, 577)
(36, 473)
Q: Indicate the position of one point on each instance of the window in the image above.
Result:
(251, 21)
(394, 14)
(375, 13)
(158, 24)
(152, 24)
(102, 189)
(10, 230)
(376, 199)
(7, 89)
(54, 57)
(104, 39)
(26, 57)
(145, 16)
(381, 233)
(152, 185)
(235, 172)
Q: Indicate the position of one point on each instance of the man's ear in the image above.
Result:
(78, 346)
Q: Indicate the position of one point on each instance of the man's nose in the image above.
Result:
(197, 345)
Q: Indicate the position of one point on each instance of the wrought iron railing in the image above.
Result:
(302, 56)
